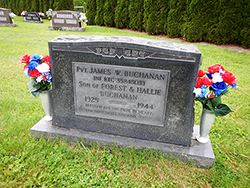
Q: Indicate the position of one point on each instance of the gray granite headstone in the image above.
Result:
(65, 20)
(32, 17)
(125, 86)
(5, 19)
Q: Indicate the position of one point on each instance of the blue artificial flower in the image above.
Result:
(32, 65)
(204, 91)
(219, 87)
(209, 75)
(233, 86)
(48, 76)
(35, 58)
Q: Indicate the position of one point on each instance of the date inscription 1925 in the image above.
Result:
(131, 94)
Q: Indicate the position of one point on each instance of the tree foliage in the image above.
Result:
(91, 11)
(121, 14)
(217, 21)
(109, 13)
(136, 14)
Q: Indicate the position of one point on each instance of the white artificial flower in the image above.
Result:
(43, 67)
(39, 78)
(25, 71)
(197, 91)
(216, 77)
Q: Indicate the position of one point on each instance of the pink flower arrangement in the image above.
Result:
(24, 13)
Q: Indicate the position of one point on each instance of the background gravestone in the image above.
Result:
(65, 20)
(5, 19)
(32, 17)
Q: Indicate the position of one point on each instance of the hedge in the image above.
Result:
(121, 14)
(175, 17)
(109, 13)
(217, 21)
(99, 12)
(155, 16)
(136, 12)
(91, 11)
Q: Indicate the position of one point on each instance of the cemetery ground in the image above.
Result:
(27, 162)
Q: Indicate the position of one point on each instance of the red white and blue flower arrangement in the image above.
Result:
(38, 68)
(211, 86)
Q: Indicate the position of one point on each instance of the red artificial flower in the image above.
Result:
(201, 73)
(215, 68)
(46, 59)
(229, 77)
(25, 66)
(211, 96)
(206, 81)
(34, 73)
(44, 77)
(199, 82)
(25, 59)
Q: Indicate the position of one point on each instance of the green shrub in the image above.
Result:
(199, 18)
(155, 16)
(175, 17)
(35, 6)
(63, 5)
(231, 22)
(121, 14)
(245, 34)
(91, 11)
(136, 14)
(51, 4)
(109, 13)
(99, 12)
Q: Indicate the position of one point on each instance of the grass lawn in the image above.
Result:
(28, 162)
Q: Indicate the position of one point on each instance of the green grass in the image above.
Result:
(27, 162)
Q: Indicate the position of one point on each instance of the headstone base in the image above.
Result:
(80, 29)
(32, 21)
(199, 154)
(8, 25)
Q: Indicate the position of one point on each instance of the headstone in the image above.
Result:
(65, 20)
(32, 17)
(5, 19)
(126, 90)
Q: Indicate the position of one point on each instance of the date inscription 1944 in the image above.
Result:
(122, 93)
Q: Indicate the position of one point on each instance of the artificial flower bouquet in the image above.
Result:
(23, 13)
(38, 68)
(82, 18)
(40, 14)
(211, 86)
(49, 14)
(12, 15)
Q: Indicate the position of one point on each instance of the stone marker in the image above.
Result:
(5, 19)
(65, 20)
(125, 89)
(32, 17)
